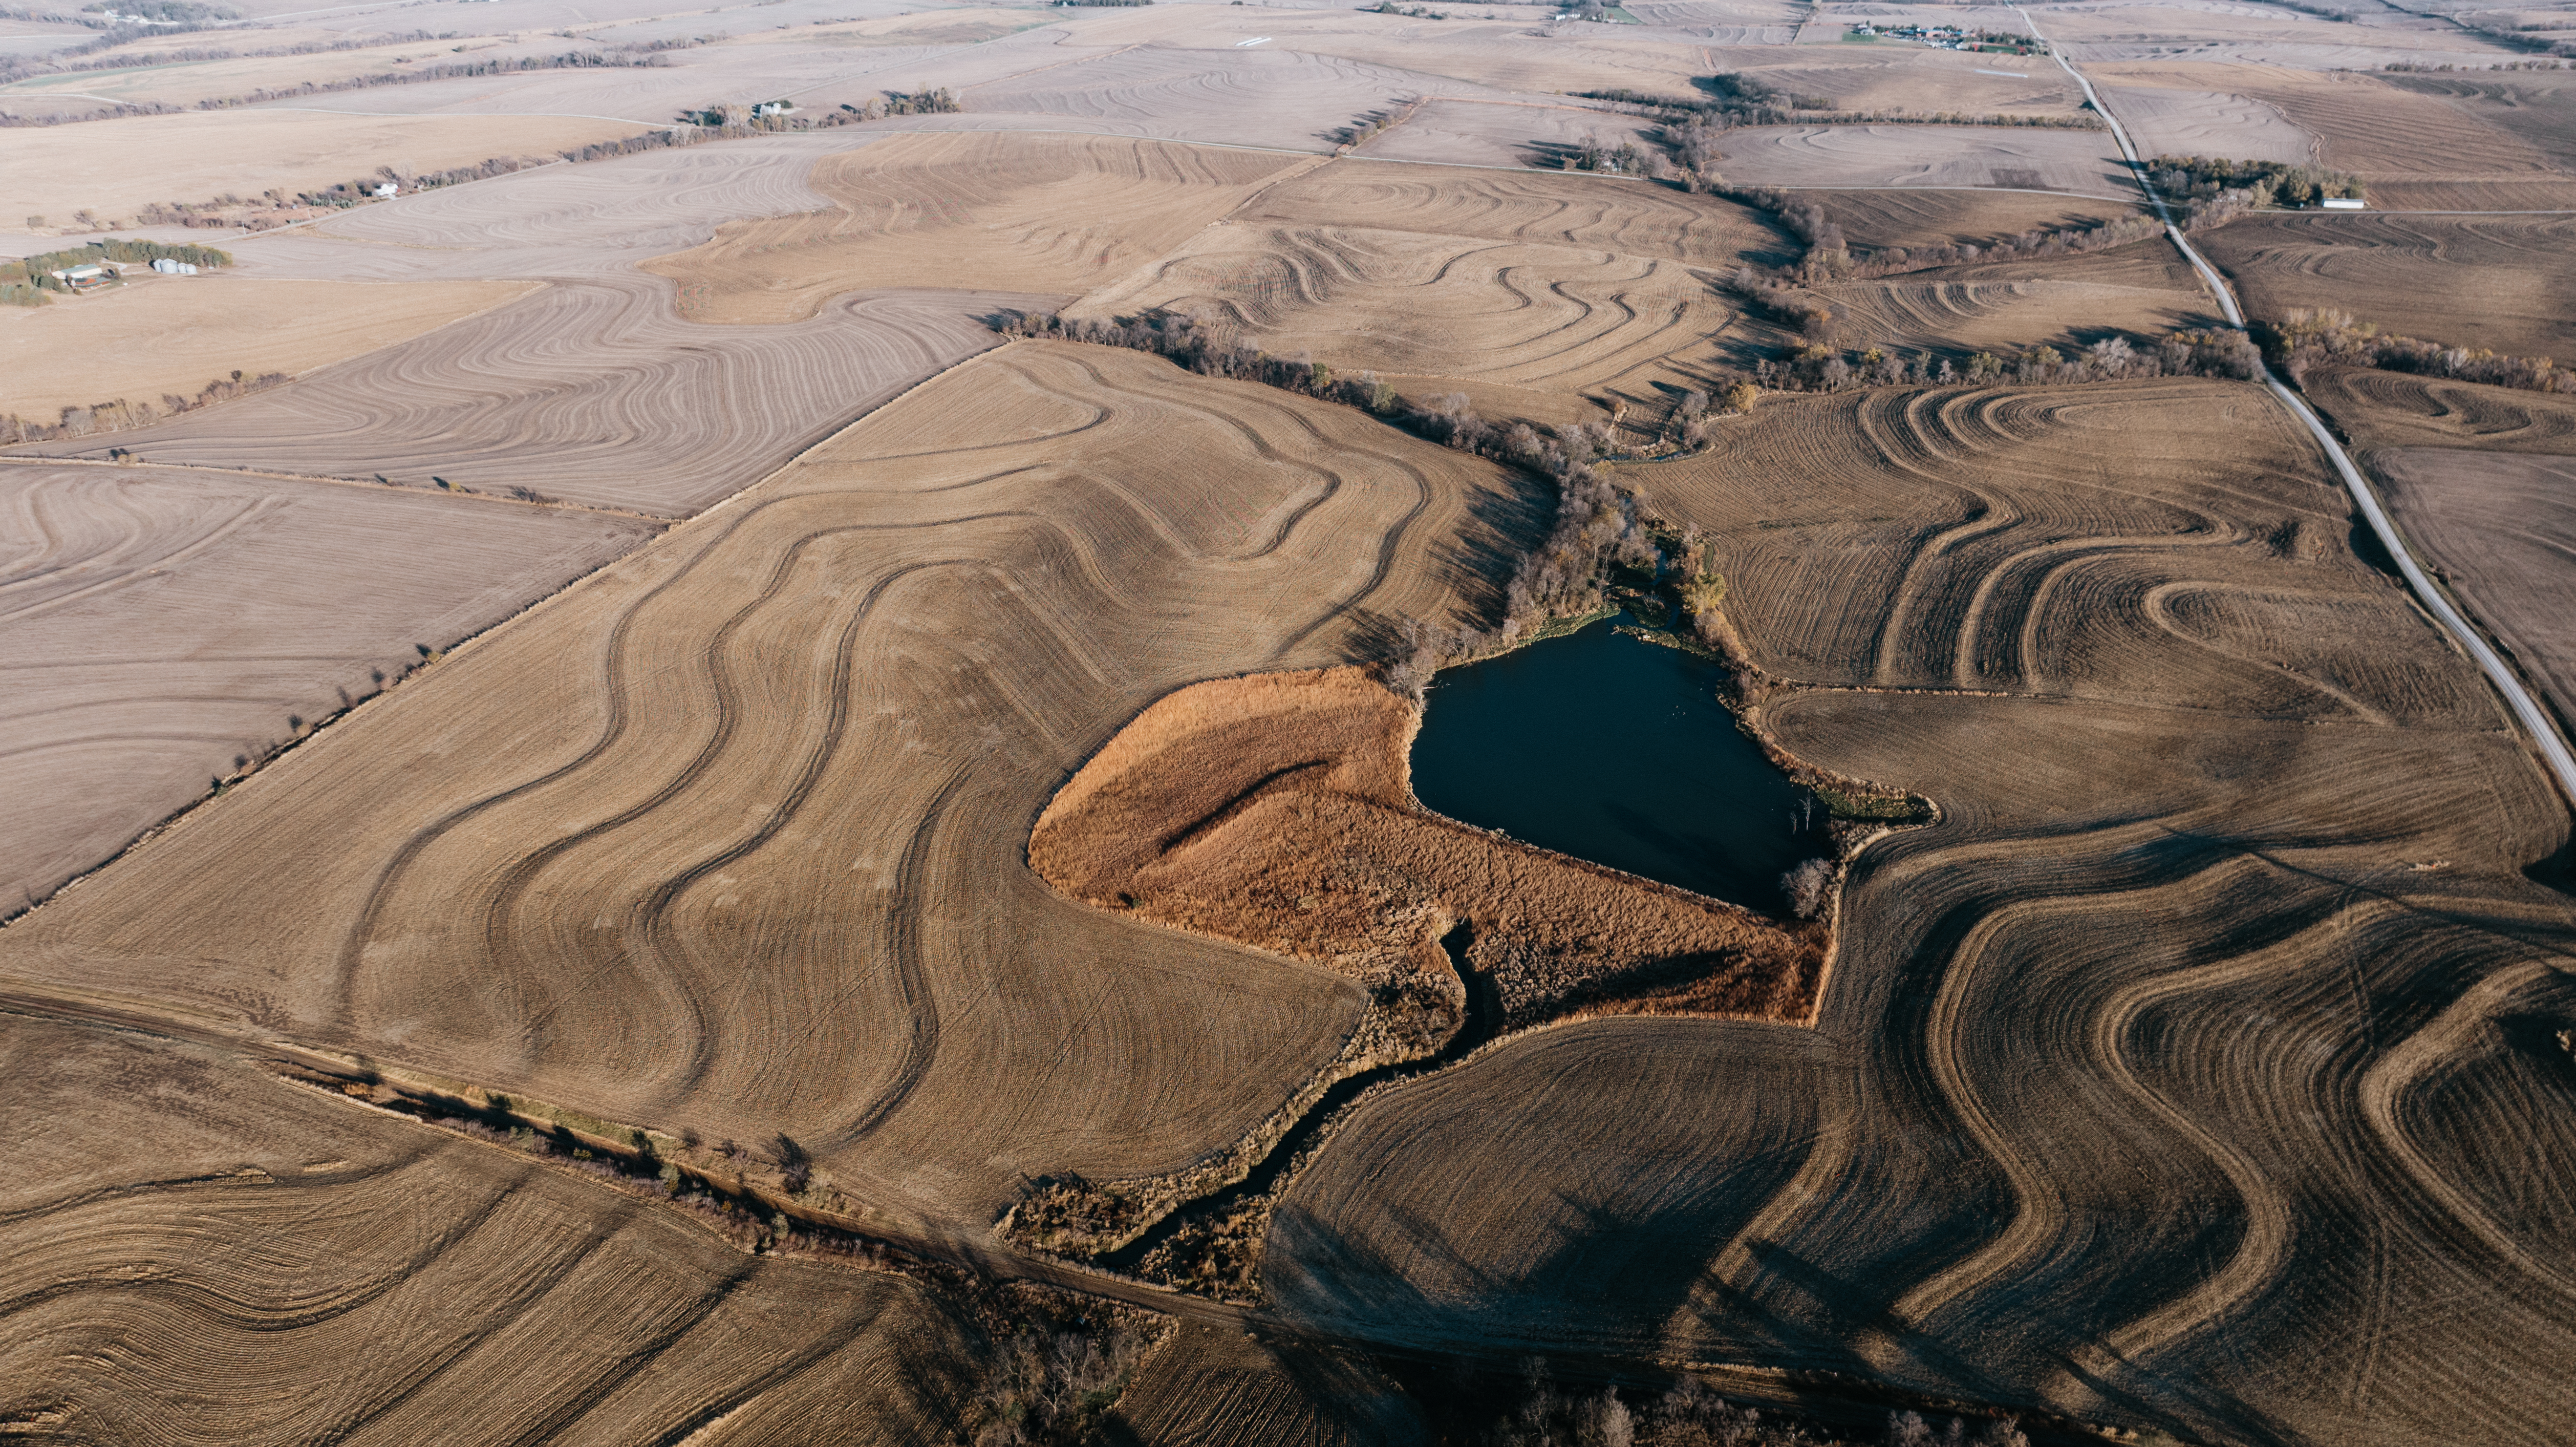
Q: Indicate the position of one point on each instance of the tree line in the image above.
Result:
(1541, 1414)
(2213, 191)
(120, 414)
(2307, 339)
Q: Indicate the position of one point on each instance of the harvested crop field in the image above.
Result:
(2166, 121)
(2537, 106)
(2007, 317)
(1505, 133)
(2505, 283)
(1874, 219)
(201, 1252)
(1582, 211)
(2017, 158)
(2401, 409)
(588, 391)
(2361, 123)
(162, 335)
(2135, 1090)
(895, 653)
(114, 167)
(1534, 317)
(1002, 212)
(1277, 810)
(1213, 1385)
(2500, 531)
(165, 625)
(1915, 79)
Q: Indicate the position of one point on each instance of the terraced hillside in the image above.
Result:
(810, 730)
(166, 626)
(2140, 1085)
(1005, 213)
(588, 391)
(2498, 282)
(201, 1252)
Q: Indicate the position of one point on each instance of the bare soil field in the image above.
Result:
(1212, 1386)
(113, 167)
(2538, 107)
(1582, 211)
(2398, 409)
(2137, 1089)
(812, 729)
(1545, 318)
(2169, 121)
(2505, 283)
(2364, 124)
(591, 220)
(1872, 220)
(1018, 213)
(2003, 317)
(200, 1252)
(164, 625)
(2014, 158)
(1278, 810)
(161, 335)
(2500, 531)
(2103, 37)
(1504, 133)
(1248, 97)
(185, 82)
(2141, 569)
(1910, 77)
(588, 391)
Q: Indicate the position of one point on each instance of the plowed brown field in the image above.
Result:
(161, 335)
(811, 730)
(589, 391)
(2143, 1080)
(157, 626)
(1541, 284)
(1004, 213)
(198, 1252)
(2400, 409)
(2506, 283)
(1874, 219)
(2500, 531)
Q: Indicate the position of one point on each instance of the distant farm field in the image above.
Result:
(161, 335)
(2499, 529)
(2022, 158)
(114, 167)
(588, 391)
(1017, 213)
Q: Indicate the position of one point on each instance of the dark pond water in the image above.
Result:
(1615, 750)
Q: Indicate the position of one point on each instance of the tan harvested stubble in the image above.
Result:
(1871, 220)
(173, 335)
(1548, 286)
(732, 836)
(1278, 810)
(158, 624)
(2050, 304)
(1216, 1385)
(2498, 529)
(2139, 1091)
(2500, 282)
(2015, 158)
(588, 391)
(114, 167)
(2401, 409)
(199, 1252)
(1003, 212)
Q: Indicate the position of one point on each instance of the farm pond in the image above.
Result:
(1612, 749)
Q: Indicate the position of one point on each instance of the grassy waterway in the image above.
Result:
(1615, 750)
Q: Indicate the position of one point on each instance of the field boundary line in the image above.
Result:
(2552, 747)
(324, 479)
